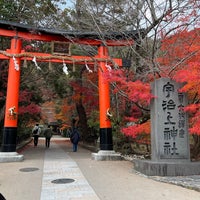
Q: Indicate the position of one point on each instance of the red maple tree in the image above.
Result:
(182, 61)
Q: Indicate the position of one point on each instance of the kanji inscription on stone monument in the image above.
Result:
(169, 121)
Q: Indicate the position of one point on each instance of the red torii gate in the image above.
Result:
(17, 32)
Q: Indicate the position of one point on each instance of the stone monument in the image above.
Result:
(169, 127)
(170, 148)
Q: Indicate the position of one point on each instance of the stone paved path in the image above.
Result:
(61, 169)
(93, 180)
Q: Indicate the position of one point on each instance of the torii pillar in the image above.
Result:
(8, 150)
(106, 142)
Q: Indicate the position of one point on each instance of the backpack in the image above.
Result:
(35, 131)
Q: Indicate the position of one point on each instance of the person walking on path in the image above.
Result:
(48, 134)
(36, 133)
(75, 137)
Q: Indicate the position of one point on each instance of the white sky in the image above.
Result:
(69, 4)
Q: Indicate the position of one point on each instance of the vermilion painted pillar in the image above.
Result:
(106, 142)
(11, 111)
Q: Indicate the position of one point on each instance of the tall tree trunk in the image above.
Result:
(82, 120)
(81, 112)
(2, 113)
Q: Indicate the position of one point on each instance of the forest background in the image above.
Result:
(168, 45)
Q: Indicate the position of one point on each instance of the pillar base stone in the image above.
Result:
(156, 168)
(10, 157)
(103, 155)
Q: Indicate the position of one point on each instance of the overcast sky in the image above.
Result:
(69, 4)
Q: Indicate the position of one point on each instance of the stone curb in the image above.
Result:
(24, 143)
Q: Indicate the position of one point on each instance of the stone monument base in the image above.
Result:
(155, 168)
(106, 155)
(10, 157)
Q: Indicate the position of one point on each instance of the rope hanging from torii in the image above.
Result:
(59, 58)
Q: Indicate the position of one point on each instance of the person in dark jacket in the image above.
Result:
(48, 134)
(75, 137)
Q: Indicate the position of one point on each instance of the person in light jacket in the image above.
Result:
(36, 133)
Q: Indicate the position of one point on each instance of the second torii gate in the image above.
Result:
(18, 33)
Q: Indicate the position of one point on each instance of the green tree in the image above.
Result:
(36, 13)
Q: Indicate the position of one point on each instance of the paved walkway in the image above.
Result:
(69, 181)
(58, 173)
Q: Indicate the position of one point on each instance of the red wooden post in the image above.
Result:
(11, 111)
(106, 142)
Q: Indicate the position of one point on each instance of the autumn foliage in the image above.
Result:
(181, 62)
(134, 123)
(27, 106)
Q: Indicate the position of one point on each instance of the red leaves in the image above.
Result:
(26, 105)
(130, 131)
(194, 120)
(179, 50)
(180, 61)
(86, 91)
(192, 108)
(139, 92)
(25, 96)
(31, 109)
(136, 91)
(140, 132)
(190, 76)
